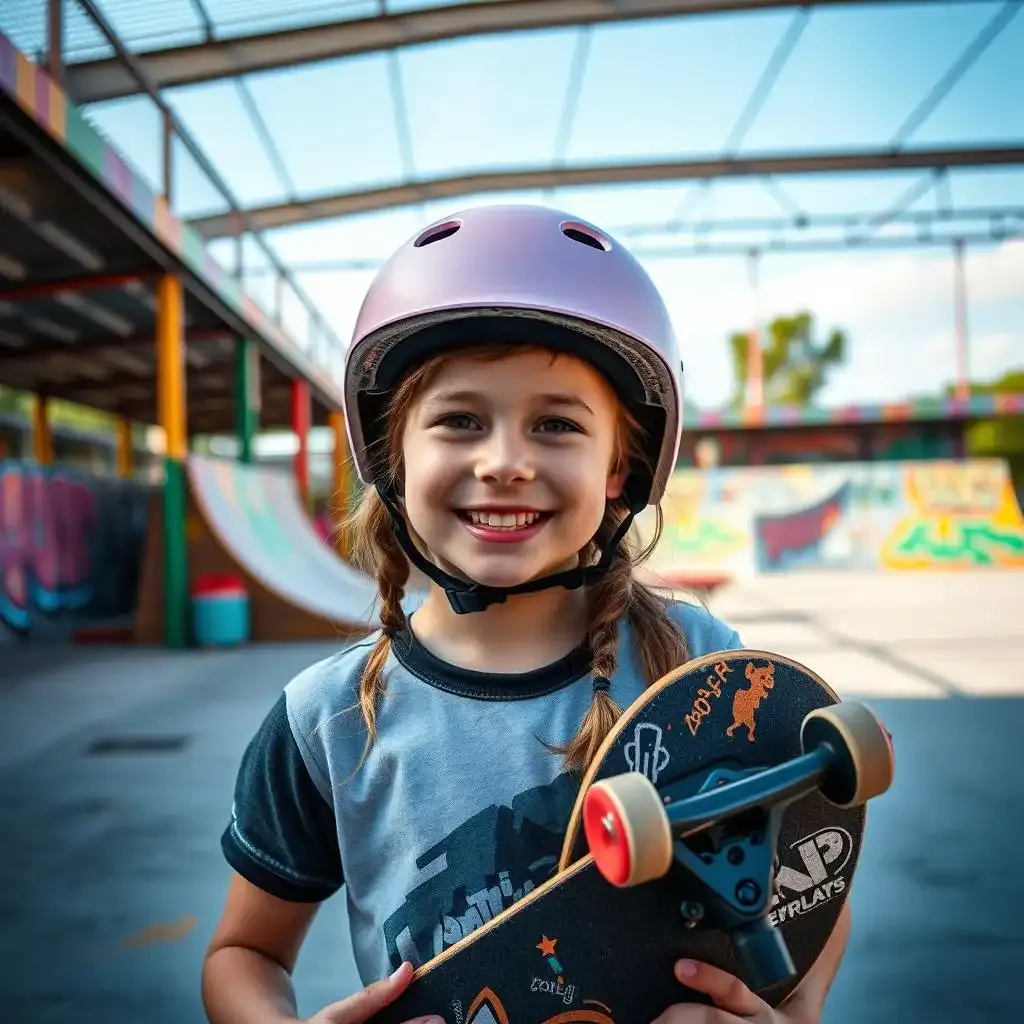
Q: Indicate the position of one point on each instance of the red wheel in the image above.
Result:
(627, 830)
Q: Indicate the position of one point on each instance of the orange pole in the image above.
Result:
(125, 454)
(42, 433)
(341, 481)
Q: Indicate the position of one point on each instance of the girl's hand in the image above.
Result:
(358, 1008)
(734, 1002)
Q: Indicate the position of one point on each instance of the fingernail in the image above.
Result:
(432, 1020)
(401, 968)
(686, 968)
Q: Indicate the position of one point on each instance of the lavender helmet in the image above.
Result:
(519, 273)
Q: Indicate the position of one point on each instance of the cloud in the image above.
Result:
(851, 289)
(898, 311)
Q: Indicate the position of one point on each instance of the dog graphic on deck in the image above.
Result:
(746, 702)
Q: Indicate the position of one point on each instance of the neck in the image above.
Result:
(525, 633)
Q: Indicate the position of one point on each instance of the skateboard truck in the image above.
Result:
(725, 835)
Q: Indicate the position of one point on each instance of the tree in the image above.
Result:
(1003, 436)
(794, 366)
(69, 414)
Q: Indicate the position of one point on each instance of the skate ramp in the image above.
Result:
(257, 514)
(735, 523)
(249, 520)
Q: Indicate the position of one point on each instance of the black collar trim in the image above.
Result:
(464, 682)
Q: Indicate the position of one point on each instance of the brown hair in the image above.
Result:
(617, 595)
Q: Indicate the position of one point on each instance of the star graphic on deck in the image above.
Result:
(546, 946)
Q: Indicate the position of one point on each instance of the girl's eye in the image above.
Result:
(457, 421)
(557, 426)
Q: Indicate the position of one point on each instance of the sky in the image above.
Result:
(670, 88)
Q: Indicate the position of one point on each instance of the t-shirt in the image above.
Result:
(458, 810)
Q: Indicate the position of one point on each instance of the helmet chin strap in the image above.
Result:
(467, 596)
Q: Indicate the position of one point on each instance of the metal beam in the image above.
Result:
(449, 187)
(98, 80)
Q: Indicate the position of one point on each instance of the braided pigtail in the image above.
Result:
(618, 596)
(377, 552)
(607, 606)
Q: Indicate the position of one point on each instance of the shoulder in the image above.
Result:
(705, 633)
(330, 680)
(326, 691)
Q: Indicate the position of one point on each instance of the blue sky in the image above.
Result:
(650, 90)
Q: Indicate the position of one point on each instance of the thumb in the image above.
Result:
(361, 1006)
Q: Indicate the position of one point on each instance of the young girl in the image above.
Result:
(513, 400)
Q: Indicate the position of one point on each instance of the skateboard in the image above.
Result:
(721, 820)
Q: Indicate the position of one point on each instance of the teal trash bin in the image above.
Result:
(220, 611)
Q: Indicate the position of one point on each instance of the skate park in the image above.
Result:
(876, 537)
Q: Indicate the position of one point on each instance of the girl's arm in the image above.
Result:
(249, 963)
(808, 1001)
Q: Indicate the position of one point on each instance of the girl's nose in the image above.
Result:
(504, 459)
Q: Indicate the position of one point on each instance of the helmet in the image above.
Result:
(478, 275)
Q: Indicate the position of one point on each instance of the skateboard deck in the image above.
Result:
(701, 830)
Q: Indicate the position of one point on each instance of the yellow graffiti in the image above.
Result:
(965, 516)
(951, 487)
(709, 538)
(973, 544)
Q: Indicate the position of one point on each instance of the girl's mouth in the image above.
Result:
(502, 520)
(505, 525)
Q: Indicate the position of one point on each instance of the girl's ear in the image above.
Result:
(617, 480)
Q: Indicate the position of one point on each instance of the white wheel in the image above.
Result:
(864, 748)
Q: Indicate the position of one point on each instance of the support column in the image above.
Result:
(42, 432)
(300, 426)
(55, 40)
(963, 382)
(125, 452)
(170, 380)
(247, 396)
(341, 483)
(755, 354)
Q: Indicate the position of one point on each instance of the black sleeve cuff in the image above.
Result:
(282, 837)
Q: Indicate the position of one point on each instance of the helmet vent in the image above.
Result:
(436, 232)
(586, 236)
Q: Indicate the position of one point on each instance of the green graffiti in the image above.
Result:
(977, 543)
(706, 534)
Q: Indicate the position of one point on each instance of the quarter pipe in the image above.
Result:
(249, 521)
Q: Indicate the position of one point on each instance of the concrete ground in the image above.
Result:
(111, 877)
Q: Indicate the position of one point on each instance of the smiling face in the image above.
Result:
(508, 464)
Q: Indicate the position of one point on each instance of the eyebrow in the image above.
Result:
(560, 399)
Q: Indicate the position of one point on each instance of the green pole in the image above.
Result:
(247, 394)
(175, 556)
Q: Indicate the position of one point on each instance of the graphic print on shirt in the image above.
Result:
(491, 861)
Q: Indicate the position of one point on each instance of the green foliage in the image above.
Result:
(795, 366)
(1004, 435)
(20, 403)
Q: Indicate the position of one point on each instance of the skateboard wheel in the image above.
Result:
(864, 756)
(627, 830)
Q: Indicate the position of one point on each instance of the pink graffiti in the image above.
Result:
(799, 531)
(46, 522)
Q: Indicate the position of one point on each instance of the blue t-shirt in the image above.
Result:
(458, 810)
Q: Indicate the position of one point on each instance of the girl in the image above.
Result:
(513, 400)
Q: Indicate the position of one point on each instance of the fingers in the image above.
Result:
(361, 1006)
(726, 990)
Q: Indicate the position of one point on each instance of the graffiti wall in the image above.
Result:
(70, 547)
(890, 516)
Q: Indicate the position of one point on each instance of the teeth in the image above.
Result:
(504, 520)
